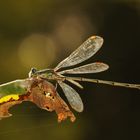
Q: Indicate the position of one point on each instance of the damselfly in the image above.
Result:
(84, 52)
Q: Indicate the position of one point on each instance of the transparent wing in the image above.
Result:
(75, 83)
(89, 68)
(84, 52)
(72, 96)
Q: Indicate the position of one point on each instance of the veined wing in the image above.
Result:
(72, 96)
(75, 83)
(89, 68)
(84, 52)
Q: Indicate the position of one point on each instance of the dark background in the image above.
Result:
(41, 33)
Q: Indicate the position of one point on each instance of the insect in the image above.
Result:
(81, 54)
(23, 90)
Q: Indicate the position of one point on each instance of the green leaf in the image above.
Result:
(17, 87)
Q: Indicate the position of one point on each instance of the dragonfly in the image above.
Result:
(89, 48)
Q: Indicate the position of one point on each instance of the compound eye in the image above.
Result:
(32, 72)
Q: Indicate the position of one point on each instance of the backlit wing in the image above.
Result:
(75, 83)
(84, 52)
(72, 96)
(89, 68)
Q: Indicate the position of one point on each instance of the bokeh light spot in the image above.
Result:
(71, 29)
(37, 51)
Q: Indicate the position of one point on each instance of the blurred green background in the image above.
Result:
(41, 33)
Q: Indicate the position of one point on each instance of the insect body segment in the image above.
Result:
(32, 72)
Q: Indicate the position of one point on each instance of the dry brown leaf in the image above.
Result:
(45, 96)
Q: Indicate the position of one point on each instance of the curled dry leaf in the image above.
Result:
(44, 95)
(4, 113)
